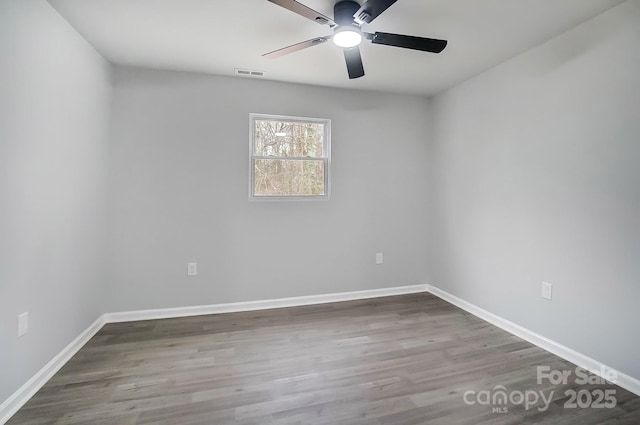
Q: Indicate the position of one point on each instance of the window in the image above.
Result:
(290, 157)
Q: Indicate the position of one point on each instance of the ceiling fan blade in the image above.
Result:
(354, 62)
(371, 9)
(296, 47)
(305, 11)
(408, 42)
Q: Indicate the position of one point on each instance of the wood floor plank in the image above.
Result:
(388, 361)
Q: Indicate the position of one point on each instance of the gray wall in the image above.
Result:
(535, 178)
(179, 193)
(54, 105)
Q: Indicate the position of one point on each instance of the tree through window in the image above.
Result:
(289, 157)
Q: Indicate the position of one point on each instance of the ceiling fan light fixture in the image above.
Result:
(347, 37)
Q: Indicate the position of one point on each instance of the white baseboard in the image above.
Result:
(9, 407)
(167, 313)
(625, 381)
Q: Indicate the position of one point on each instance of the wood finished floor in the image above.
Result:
(395, 360)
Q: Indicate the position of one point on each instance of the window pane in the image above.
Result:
(289, 139)
(277, 177)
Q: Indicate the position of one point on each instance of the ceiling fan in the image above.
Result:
(349, 17)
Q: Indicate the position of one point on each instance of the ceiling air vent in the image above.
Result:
(248, 73)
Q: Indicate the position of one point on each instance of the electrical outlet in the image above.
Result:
(546, 290)
(379, 258)
(192, 269)
(23, 324)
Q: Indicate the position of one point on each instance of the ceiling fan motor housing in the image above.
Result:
(343, 12)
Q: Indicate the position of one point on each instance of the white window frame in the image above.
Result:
(326, 157)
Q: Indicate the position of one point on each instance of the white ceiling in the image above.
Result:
(216, 36)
